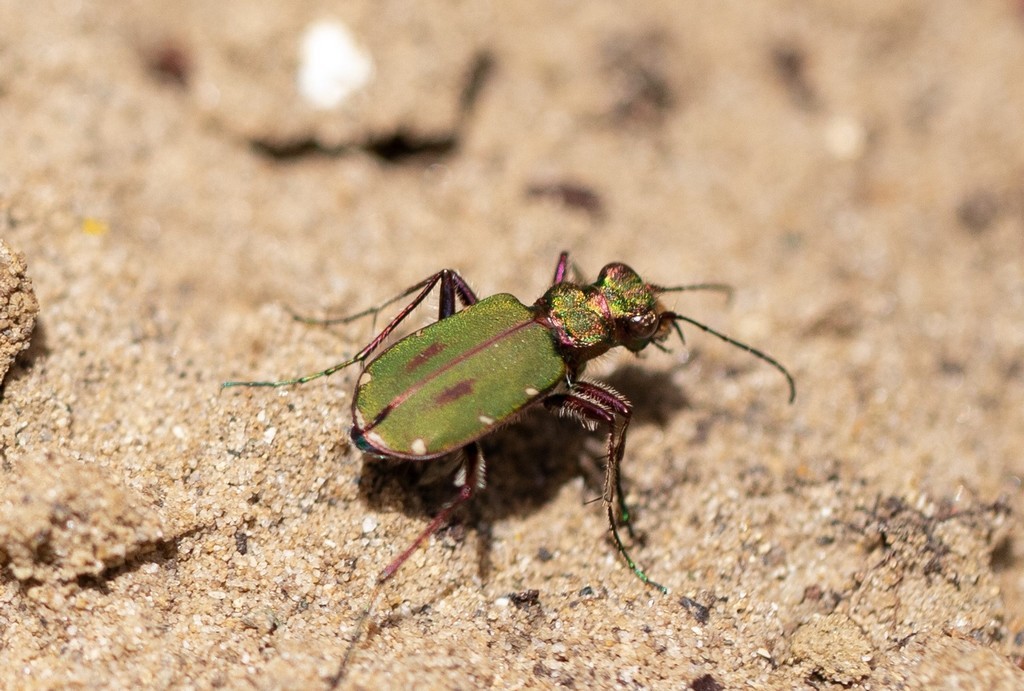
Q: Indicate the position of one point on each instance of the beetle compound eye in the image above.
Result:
(643, 326)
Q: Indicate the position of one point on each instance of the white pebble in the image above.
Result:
(845, 138)
(369, 525)
(331, 66)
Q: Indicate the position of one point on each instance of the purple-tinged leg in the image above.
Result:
(593, 404)
(475, 473)
(561, 268)
(474, 480)
(453, 288)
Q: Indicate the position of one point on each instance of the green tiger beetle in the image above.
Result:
(442, 388)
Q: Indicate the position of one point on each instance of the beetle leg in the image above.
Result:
(603, 403)
(453, 287)
(561, 267)
(474, 467)
(472, 473)
(593, 404)
(447, 277)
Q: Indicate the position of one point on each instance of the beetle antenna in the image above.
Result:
(717, 287)
(676, 318)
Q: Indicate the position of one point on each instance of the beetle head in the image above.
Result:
(633, 306)
(639, 319)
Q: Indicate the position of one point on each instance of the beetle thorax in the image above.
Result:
(618, 309)
(578, 318)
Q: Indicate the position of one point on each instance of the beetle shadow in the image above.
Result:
(654, 396)
(528, 462)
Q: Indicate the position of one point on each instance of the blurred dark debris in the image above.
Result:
(977, 211)
(571, 195)
(169, 61)
(790, 63)
(400, 147)
(701, 613)
(840, 320)
(241, 542)
(637, 67)
(525, 598)
(479, 74)
(706, 682)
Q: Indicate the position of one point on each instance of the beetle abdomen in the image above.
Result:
(450, 383)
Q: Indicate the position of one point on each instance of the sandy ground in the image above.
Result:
(854, 170)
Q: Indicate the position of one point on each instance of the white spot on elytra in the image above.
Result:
(486, 420)
(376, 441)
(418, 447)
(331, 65)
(530, 391)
